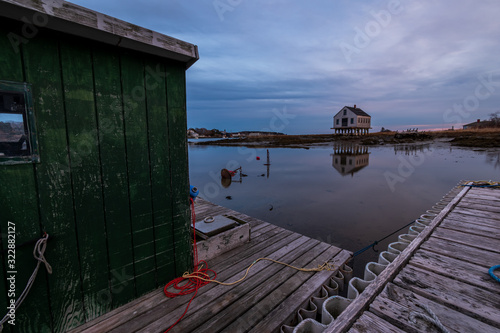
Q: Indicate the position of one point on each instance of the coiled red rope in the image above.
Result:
(187, 285)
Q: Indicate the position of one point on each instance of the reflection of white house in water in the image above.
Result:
(349, 159)
(411, 149)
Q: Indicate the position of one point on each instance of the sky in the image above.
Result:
(290, 66)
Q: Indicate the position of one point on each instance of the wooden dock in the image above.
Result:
(268, 298)
(444, 269)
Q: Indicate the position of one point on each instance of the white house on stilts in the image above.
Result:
(352, 121)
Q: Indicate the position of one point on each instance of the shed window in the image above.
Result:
(18, 142)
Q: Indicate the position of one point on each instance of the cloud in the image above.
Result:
(410, 60)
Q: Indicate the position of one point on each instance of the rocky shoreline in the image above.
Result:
(465, 138)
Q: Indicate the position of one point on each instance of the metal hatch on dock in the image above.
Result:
(211, 226)
(220, 234)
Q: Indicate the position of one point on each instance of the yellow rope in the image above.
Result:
(482, 182)
(327, 266)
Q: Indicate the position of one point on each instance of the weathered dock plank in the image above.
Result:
(484, 191)
(478, 229)
(485, 243)
(375, 324)
(483, 194)
(470, 219)
(468, 299)
(478, 213)
(461, 252)
(224, 297)
(228, 271)
(252, 305)
(445, 271)
(483, 206)
(237, 307)
(118, 320)
(347, 318)
(285, 312)
(395, 305)
(459, 270)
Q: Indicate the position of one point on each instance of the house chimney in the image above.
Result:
(354, 105)
(479, 120)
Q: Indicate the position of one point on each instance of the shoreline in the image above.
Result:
(484, 138)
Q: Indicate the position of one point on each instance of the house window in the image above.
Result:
(352, 120)
(344, 112)
(337, 122)
(18, 143)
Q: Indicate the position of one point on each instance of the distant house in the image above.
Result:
(479, 124)
(192, 134)
(352, 120)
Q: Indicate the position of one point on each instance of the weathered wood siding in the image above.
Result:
(112, 185)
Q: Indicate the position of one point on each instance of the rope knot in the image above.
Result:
(39, 251)
(432, 318)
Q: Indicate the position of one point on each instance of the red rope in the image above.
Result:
(185, 286)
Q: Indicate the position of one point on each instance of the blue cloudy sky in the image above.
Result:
(290, 65)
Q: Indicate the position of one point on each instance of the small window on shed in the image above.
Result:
(18, 143)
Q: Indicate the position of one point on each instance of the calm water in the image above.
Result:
(347, 196)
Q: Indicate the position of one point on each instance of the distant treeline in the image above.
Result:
(215, 133)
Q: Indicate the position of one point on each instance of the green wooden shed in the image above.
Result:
(92, 152)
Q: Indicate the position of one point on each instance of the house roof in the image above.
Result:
(482, 123)
(79, 21)
(358, 111)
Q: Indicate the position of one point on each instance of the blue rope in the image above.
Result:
(485, 185)
(492, 274)
(372, 245)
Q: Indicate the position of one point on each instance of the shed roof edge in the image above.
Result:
(69, 18)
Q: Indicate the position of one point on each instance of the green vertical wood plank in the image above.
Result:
(54, 183)
(177, 126)
(86, 176)
(19, 205)
(114, 171)
(136, 133)
(160, 170)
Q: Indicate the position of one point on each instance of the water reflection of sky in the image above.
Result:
(306, 193)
